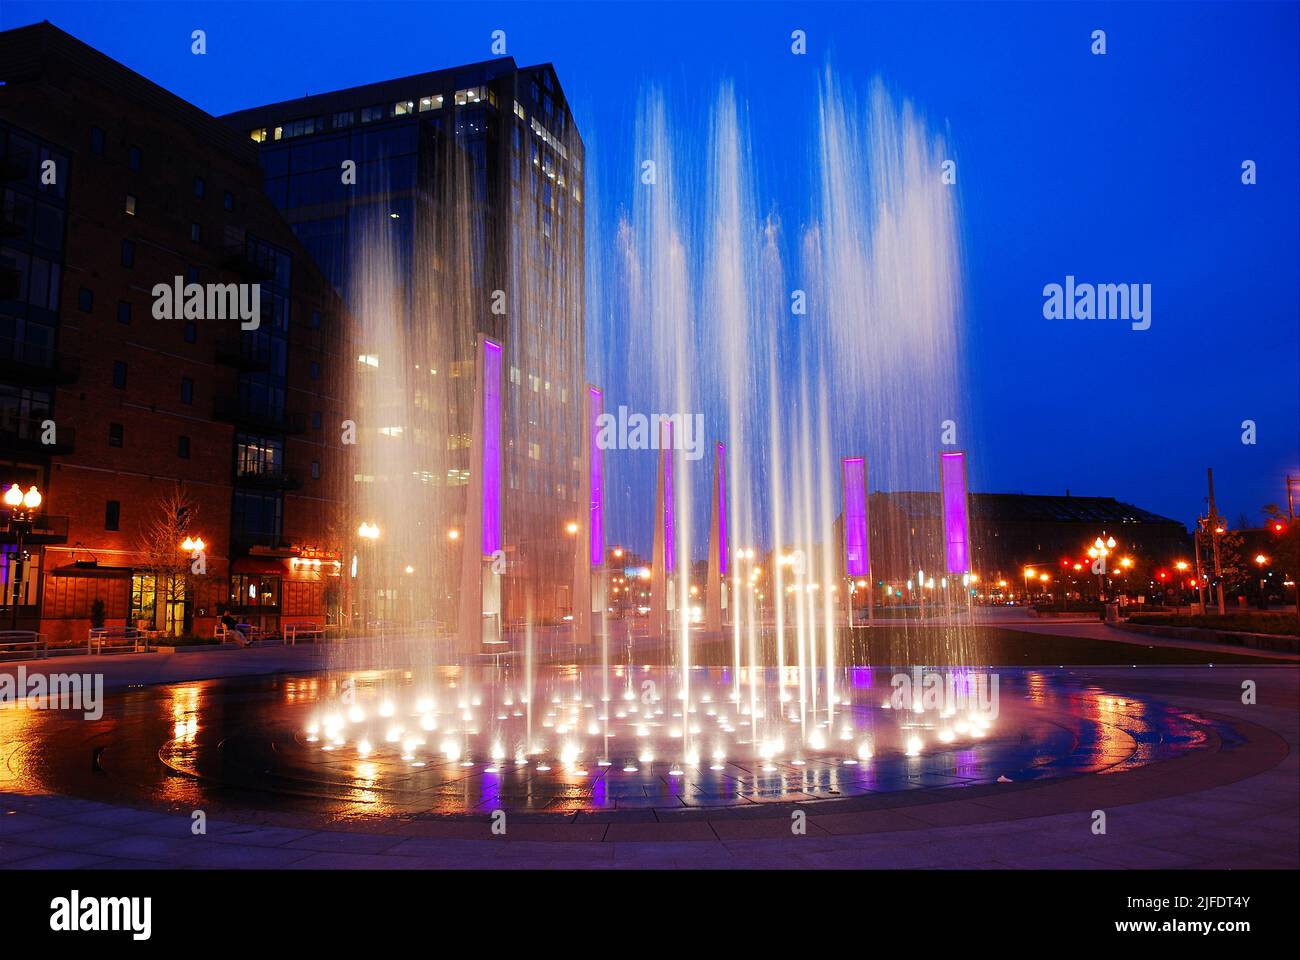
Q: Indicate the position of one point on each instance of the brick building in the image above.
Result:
(111, 187)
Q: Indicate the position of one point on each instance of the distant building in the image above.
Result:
(1012, 531)
(104, 407)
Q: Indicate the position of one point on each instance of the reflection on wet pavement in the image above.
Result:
(371, 744)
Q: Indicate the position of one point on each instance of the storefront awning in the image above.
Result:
(92, 570)
(259, 566)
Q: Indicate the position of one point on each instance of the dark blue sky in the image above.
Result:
(1117, 168)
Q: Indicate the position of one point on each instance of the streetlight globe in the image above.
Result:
(32, 498)
(188, 545)
(1110, 542)
(14, 496)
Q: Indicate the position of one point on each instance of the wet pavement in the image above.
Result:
(1188, 774)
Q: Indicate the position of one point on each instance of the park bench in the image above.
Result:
(116, 638)
(303, 631)
(225, 635)
(17, 641)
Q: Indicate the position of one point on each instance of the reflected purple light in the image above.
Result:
(491, 465)
(597, 527)
(956, 527)
(856, 549)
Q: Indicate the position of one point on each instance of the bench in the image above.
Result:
(14, 641)
(115, 638)
(303, 631)
(225, 635)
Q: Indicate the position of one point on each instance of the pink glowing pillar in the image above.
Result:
(491, 463)
(595, 409)
(857, 550)
(670, 540)
(720, 472)
(956, 517)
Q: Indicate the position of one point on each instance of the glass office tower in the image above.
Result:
(444, 206)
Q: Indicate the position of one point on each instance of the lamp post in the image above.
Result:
(369, 533)
(1099, 551)
(193, 547)
(22, 509)
(1262, 561)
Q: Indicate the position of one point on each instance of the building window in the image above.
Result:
(315, 469)
(200, 187)
(113, 515)
(97, 141)
(114, 434)
(343, 119)
(431, 103)
(258, 135)
(123, 312)
(128, 253)
(187, 390)
(228, 201)
(85, 300)
(196, 233)
(371, 113)
(191, 332)
(402, 107)
(133, 158)
(130, 205)
(119, 374)
(183, 447)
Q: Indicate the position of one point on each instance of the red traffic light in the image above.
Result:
(1163, 575)
(1278, 527)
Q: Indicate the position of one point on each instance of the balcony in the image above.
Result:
(237, 260)
(247, 354)
(233, 410)
(45, 529)
(269, 477)
(26, 436)
(34, 364)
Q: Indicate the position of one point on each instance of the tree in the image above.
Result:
(171, 520)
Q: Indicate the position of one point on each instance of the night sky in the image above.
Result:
(1122, 168)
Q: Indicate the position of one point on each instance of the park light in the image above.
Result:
(453, 534)
(192, 544)
(1044, 578)
(1029, 572)
(1181, 565)
(368, 531)
(571, 527)
(410, 569)
(14, 496)
(618, 552)
(1261, 559)
(1126, 562)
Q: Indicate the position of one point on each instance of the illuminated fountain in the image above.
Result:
(801, 349)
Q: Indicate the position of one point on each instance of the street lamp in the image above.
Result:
(1099, 551)
(22, 509)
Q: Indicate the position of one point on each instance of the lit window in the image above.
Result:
(431, 103)
(470, 95)
(519, 110)
(369, 359)
(402, 107)
(130, 205)
(259, 135)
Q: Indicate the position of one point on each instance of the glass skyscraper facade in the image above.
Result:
(452, 204)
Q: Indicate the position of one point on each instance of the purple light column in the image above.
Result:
(596, 402)
(670, 546)
(856, 547)
(491, 465)
(956, 521)
(720, 452)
